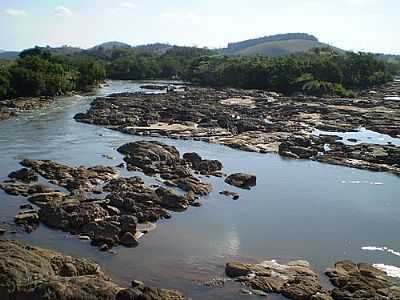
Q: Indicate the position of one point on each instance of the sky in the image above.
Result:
(358, 25)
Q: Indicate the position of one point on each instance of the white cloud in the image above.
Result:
(62, 11)
(15, 12)
(128, 5)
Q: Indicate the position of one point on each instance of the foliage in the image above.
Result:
(38, 73)
(320, 72)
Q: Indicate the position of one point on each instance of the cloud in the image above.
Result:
(128, 5)
(15, 12)
(62, 11)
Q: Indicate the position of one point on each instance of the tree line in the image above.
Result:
(38, 72)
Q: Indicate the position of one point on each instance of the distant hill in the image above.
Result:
(9, 55)
(65, 50)
(276, 45)
(156, 48)
(111, 45)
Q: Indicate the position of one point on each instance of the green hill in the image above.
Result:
(276, 45)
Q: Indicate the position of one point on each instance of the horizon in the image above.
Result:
(353, 25)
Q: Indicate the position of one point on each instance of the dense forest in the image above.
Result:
(39, 72)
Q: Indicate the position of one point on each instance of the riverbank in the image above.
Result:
(265, 122)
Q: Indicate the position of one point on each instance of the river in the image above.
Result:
(299, 209)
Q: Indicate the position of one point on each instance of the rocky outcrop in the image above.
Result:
(294, 280)
(33, 273)
(361, 281)
(71, 178)
(158, 158)
(241, 180)
(256, 121)
(98, 204)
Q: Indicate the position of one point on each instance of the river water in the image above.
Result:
(299, 209)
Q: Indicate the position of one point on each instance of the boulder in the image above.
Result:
(241, 180)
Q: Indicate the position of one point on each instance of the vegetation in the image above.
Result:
(39, 73)
(322, 71)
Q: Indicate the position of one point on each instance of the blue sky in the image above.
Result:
(367, 25)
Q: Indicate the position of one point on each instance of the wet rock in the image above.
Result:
(29, 219)
(149, 293)
(129, 240)
(16, 189)
(149, 156)
(25, 175)
(294, 280)
(170, 199)
(235, 196)
(204, 166)
(241, 180)
(80, 178)
(361, 281)
(192, 184)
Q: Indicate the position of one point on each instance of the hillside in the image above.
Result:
(275, 45)
(111, 45)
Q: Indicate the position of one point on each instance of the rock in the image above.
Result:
(29, 219)
(137, 283)
(33, 273)
(361, 281)
(2, 231)
(192, 184)
(149, 156)
(80, 178)
(249, 120)
(25, 175)
(294, 280)
(204, 166)
(235, 196)
(241, 180)
(129, 240)
(171, 200)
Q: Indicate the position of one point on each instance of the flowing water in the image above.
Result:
(299, 209)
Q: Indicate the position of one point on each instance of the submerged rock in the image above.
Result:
(241, 180)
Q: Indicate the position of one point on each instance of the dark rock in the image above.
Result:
(129, 240)
(241, 180)
(361, 281)
(25, 175)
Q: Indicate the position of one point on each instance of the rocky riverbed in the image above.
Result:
(34, 273)
(261, 121)
(290, 210)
